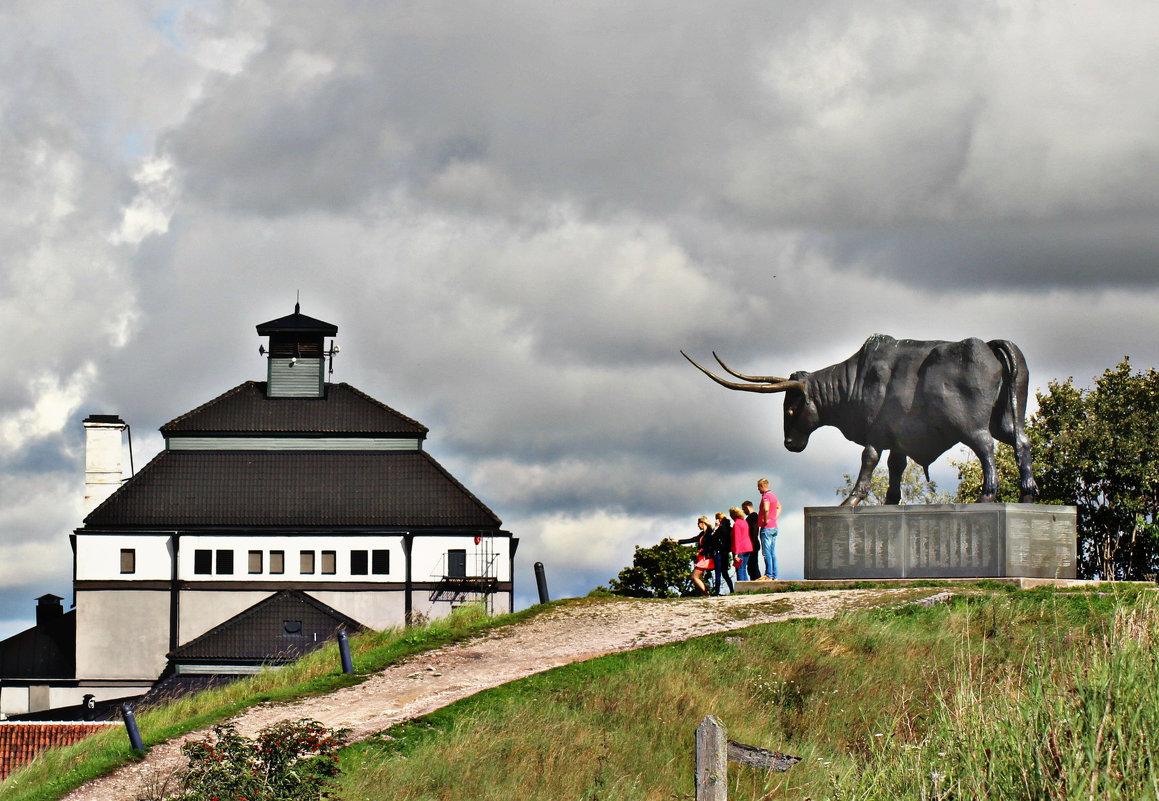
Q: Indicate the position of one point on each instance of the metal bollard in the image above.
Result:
(541, 583)
(131, 728)
(344, 651)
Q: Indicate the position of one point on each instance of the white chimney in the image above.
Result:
(102, 458)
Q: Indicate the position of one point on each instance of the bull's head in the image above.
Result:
(801, 415)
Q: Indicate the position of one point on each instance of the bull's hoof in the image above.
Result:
(1028, 497)
(986, 498)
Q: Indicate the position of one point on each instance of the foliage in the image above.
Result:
(1096, 449)
(288, 761)
(915, 487)
(970, 475)
(660, 571)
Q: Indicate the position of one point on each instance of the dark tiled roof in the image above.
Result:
(297, 322)
(21, 742)
(45, 651)
(406, 489)
(258, 635)
(245, 409)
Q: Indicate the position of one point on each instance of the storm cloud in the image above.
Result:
(517, 214)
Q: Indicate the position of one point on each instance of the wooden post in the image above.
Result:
(711, 761)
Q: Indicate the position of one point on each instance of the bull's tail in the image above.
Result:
(1015, 383)
(1013, 369)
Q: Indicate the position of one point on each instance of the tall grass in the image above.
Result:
(1013, 695)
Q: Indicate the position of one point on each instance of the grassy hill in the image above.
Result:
(998, 694)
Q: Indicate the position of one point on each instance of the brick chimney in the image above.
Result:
(102, 458)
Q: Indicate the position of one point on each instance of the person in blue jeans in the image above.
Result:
(768, 511)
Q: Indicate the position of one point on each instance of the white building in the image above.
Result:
(291, 484)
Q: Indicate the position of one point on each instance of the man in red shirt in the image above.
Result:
(768, 510)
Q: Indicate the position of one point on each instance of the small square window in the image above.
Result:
(359, 563)
(277, 562)
(380, 562)
(329, 562)
(225, 563)
(203, 562)
(255, 562)
(128, 560)
(306, 563)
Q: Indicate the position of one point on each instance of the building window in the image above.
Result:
(380, 562)
(457, 563)
(292, 627)
(329, 562)
(277, 562)
(225, 563)
(203, 562)
(128, 560)
(359, 563)
(255, 561)
(306, 567)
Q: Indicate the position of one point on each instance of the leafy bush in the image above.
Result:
(661, 571)
(288, 761)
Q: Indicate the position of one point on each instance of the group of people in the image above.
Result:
(739, 539)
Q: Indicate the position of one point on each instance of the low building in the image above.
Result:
(292, 484)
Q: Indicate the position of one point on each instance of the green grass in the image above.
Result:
(1008, 694)
(58, 771)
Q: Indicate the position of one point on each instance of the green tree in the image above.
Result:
(915, 488)
(660, 571)
(1098, 450)
(970, 475)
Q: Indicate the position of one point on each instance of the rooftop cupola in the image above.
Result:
(297, 355)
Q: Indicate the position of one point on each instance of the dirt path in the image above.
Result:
(432, 680)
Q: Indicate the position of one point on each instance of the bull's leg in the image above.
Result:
(983, 446)
(1027, 488)
(869, 459)
(897, 463)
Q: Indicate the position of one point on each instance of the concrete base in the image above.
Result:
(846, 584)
(940, 541)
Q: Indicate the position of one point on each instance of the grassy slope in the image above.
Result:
(60, 770)
(1010, 695)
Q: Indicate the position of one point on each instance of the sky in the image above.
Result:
(518, 213)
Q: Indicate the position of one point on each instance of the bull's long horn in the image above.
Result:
(782, 385)
(761, 379)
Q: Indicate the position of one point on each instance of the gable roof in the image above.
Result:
(44, 651)
(245, 409)
(371, 489)
(259, 635)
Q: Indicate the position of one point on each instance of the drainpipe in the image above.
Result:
(408, 604)
(174, 594)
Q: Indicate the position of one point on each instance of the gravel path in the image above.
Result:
(434, 679)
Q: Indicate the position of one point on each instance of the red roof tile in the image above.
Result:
(21, 742)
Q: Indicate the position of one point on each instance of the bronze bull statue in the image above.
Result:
(914, 399)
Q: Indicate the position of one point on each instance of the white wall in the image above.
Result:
(121, 634)
(98, 557)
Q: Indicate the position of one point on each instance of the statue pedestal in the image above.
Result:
(969, 540)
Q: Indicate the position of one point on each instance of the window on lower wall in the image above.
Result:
(306, 563)
(329, 562)
(128, 560)
(225, 563)
(277, 562)
(380, 562)
(203, 562)
(255, 565)
(359, 563)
